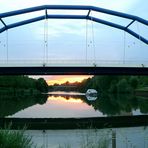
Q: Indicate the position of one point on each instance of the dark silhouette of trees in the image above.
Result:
(22, 84)
(114, 84)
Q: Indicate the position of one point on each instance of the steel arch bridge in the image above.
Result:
(74, 69)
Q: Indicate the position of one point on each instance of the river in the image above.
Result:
(73, 104)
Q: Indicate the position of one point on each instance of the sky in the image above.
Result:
(74, 40)
(67, 39)
(59, 79)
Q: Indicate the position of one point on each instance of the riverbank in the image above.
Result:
(75, 123)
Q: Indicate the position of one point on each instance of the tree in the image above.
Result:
(113, 87)
(134, 82)
(41, 85)
(123, 86)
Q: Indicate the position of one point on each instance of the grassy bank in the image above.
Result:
(14, 139)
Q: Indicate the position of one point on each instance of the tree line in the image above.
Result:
(13, 83)
(114, 83)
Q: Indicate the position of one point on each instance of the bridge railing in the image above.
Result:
(74, 63)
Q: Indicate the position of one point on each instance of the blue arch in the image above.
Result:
(74, 7)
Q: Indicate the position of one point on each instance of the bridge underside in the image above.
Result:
(73, 71)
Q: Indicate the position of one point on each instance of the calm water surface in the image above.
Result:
(133, 137)
(60, 105)
(72, 104)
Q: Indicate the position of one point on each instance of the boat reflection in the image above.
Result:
(91, 98)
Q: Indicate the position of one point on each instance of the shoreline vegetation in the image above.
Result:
(14, 138)
(20, 92)
(22, 85)
(114, 84)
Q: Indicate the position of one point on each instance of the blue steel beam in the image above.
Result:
(73, 7)
(119, 27)
(46, 13)
(67, 16)
(88, 12)
(136, 35)
(21, 23)
(39, 8)
(3, 29)
(22, 11)
(25, 22)
(105, 22)
(61, 17)
(130, 23)
(3, 23)
(120, 14)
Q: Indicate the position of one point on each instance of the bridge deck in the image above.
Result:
(39, 67)
(73, 70)
(72, 63)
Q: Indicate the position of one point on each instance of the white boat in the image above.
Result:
(91, 92)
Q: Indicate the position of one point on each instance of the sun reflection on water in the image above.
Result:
(64, 99)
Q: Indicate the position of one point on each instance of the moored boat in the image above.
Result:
(91, 92)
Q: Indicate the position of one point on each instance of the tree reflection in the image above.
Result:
(10, 104)
(108, 104)
(119, 104)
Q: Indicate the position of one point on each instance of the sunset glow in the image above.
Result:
(62, 99)
(63, 79)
